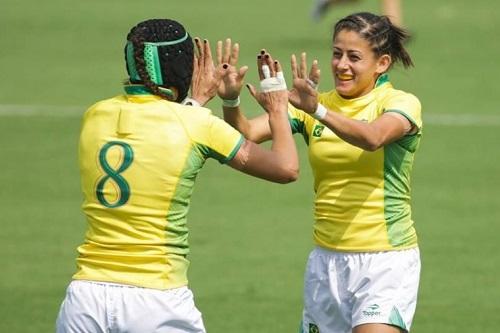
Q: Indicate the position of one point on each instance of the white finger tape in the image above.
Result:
(266, 71)
(272, 84)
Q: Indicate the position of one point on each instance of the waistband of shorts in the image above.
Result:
(320, 249)
(118, 285)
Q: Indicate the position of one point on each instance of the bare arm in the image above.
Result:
(368, 136)
(256, 129)
(280, 163)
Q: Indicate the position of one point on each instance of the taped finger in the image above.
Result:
(272, 84)
(266, 71)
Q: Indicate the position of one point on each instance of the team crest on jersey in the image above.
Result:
(313, 328)
(318, 129)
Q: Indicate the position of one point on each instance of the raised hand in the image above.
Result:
(206, 77)
(273, 96)
(232, 79)
(304, 93)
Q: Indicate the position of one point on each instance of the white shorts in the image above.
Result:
(101, 307)
(343, 290)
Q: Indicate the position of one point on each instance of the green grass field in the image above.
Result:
(249, 238)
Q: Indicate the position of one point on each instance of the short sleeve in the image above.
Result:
(223, 141)
(407, 105)
(300, 122)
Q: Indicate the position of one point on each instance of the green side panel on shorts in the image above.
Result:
(396, 320)
(397, 212)
(176, 229)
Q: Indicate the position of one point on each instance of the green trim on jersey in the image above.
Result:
(136, 89)
(235, 150)
(410, 119)
(177, 212)
(382, 79)
(208, 152)
(139, 89)
(298, 126)
(398, 160)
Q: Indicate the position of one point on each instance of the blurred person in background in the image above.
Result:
(362, 136)
(139, 156)
(389, 8)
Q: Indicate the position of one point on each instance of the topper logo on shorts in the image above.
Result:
(372, 310)
(313, 328)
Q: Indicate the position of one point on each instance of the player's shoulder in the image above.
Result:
(105, 104)
(106, 101)
(198, 120)
(192, 113)
(391, 95)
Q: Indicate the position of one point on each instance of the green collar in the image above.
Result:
(140, 89)
(382, 79)
(136, 89)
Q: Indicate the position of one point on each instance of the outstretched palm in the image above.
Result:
(206, 77)
(232, 80)
(304, 95)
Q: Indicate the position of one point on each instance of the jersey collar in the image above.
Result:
(381, 80)
(138, 93)
(136, 89)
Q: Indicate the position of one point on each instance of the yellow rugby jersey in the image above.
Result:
(139, 157)
(362, 200)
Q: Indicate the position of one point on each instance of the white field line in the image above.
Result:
(463, 119)
(443, 119)
(40, 110)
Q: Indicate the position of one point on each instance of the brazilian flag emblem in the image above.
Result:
(318, 129)
(313, 328)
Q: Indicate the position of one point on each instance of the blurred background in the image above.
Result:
(249, 239)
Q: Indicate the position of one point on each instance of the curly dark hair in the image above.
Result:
(175, 60)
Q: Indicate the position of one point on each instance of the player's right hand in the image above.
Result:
(206, 77)
(304, 94)
(273, 95)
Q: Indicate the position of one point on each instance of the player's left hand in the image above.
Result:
(232, 80)
(206, 77)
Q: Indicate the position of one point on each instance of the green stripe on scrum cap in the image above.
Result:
(151, 58)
